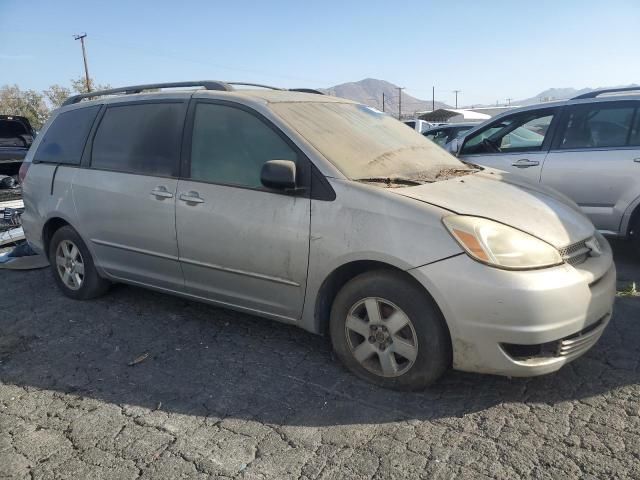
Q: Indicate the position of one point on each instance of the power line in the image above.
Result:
(457, 92)
(400, 102)
(81, 37)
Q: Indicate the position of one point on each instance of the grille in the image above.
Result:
(582, 341)
(576, 253)
(568, 347)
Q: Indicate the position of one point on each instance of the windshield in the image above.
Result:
(363, 142)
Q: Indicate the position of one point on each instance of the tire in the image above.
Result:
(409, 357)
(82, 281)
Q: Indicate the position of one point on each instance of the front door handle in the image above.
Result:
(524, 163)
(191, 197)
(161, 192)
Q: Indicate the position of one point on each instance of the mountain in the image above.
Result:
(369, 91)
(561, 94)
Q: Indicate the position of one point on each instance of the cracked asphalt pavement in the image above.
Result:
(226, 395)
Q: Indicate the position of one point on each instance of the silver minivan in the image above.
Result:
(323, 213)
(588, 148)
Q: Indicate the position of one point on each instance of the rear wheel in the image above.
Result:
(73, 269)
(387, 330)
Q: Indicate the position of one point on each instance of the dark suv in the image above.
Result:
(16, 136)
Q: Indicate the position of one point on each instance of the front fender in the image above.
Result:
(625, 222)
(370, 223)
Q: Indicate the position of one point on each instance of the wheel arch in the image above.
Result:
(343, 274)
(634, 221)
(50, 227)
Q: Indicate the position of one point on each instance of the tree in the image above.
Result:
(56, 95)
(25, 103)
(36, 106)
(79, 85)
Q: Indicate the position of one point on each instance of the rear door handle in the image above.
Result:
(524, 163)
(161, 192)
(637, 160)
(191, 197)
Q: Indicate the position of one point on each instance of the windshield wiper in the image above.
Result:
(393, 180)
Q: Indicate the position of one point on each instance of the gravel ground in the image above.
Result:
(226, 395)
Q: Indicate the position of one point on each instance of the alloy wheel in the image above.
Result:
(381, 337)
(70, 265)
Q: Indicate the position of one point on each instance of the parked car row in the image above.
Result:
(587, 148)
(420, 126)
(445, 133)
(330, 215)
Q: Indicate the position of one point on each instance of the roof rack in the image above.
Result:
(301, 90)
(306, 90)
(597, 93)
(243, 84)
(206, 84)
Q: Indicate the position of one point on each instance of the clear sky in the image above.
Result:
(489, 49)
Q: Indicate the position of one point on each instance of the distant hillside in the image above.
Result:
(369, 91)
(552, 94)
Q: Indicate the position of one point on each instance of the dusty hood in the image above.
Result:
(527, 207)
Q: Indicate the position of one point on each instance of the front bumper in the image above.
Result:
(521, 323)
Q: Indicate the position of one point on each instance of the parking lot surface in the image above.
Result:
(143, 385)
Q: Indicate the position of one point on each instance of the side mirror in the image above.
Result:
(279, 174)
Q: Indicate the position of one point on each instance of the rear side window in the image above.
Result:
(597, 126)
(141, 138)
(64, 140)
(230, 146)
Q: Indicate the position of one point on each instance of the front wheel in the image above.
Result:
(387, 330)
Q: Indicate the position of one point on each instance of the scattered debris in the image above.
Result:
(17, 204)
(22, 257)
(8, 182)
(10, 218)
(446, 173)
(139, 359)
(11, 236)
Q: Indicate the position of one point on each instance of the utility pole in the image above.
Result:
(433, 99)
(383, 101)
(81, 37)
(457, 92)
(509, 101)
(400, 102)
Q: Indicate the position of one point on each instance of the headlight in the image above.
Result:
(499, 245)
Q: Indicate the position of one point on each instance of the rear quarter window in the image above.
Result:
(64, 140)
